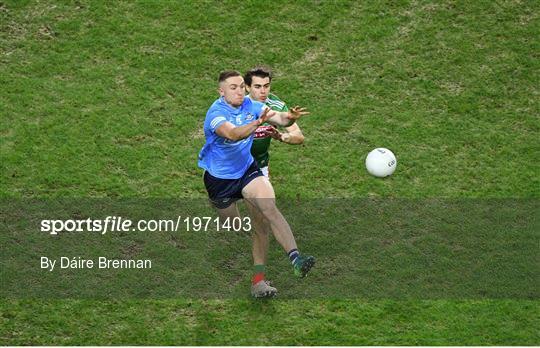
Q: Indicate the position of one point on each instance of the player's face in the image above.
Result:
(233, 90)
(260, 88)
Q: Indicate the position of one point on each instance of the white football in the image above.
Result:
(381, 162)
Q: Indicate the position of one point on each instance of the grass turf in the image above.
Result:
(101, 100)
(293, 322)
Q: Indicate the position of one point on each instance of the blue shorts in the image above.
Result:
(224, 192)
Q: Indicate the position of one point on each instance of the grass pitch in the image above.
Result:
(108, 100)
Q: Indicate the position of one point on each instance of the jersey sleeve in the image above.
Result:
(257, 108)
(214, 120)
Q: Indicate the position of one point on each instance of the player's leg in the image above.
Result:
(260, 232)
(261, 243)
(260, 194)
(228, 213)
(261, 240)
(223, 196)
(260, 287)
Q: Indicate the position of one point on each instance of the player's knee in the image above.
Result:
(259, 188)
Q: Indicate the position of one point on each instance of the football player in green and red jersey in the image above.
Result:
(258, 84)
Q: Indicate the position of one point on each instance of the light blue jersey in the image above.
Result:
(223, 158)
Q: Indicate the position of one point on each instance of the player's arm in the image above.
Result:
(229, 131)
(287, 118)
(292, 135)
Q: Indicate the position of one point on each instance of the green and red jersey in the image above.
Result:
(261, 141)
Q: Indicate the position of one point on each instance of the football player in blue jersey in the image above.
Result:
(231, 173)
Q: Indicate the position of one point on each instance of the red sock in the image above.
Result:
(257, 278)
(258, 274)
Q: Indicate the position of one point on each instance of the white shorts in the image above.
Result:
(265, 172)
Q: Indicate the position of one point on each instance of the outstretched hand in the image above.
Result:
(267, 113)
(296, 112)
(274, 133)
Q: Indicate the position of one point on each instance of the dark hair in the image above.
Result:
(259, 71)
(226, 74)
